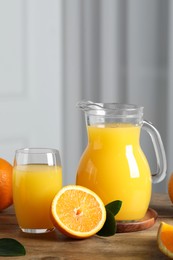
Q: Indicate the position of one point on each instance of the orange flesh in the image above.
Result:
(167, 237)
(78, 211)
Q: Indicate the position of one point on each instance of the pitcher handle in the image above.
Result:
(159, 151)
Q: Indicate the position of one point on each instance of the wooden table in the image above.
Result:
(50, 246)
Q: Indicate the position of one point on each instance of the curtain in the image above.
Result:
(117, 51)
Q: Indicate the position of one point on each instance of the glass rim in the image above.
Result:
(37, 150)
(112, 108)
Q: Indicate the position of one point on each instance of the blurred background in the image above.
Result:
(54, 53)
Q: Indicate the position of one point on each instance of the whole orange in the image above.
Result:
(170, 187)
(6, 195)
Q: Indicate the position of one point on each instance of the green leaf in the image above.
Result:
(11, 247)
(109, 228)
(114, 206)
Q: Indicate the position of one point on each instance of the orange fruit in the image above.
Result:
(165, 239)
(78, 212)
(6, 197)
(170, 187)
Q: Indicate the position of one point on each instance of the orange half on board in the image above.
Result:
(78, 212)
(165, 239)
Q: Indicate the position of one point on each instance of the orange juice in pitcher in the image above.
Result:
(113, 163)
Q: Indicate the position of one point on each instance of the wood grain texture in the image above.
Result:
(51, 246)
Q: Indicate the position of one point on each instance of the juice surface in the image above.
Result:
(114, 166)
(34, 187)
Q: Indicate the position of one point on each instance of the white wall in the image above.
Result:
(30, 75)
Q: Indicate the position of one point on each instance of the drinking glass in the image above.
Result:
(37, 177)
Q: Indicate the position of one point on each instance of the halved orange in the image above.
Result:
(78, 212)
(165, 239)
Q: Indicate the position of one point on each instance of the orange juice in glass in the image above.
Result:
(113, 163)
(37, 177)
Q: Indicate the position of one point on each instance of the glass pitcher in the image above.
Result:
(113, 164)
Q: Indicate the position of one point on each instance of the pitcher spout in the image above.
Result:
(88, 105)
